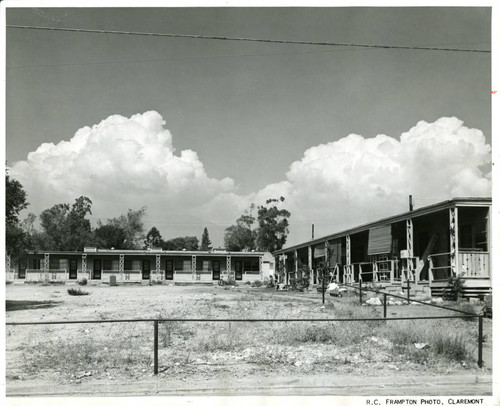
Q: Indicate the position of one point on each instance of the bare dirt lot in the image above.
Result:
(201, 351)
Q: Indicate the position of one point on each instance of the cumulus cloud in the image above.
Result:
(356, 179)
(120, 163)
(124, 163)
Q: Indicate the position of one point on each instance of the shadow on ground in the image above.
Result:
(11, 305)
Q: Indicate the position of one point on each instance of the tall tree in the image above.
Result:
(153, 239)
(109, 236)
(181, 243)
(273, 225)
(65, 228)
(206, 244)
(133, 226)
(15, 201)
(241, 237)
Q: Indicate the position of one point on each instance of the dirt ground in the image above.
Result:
(194, 351)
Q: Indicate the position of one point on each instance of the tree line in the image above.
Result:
(65, 227)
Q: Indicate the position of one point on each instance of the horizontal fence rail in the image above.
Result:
(156, 321)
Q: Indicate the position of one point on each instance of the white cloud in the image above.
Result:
(124, 163)
(120, 163)
(357, 179)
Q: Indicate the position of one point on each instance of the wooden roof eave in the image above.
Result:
(455, 202)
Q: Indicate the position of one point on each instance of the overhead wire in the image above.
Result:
(247, 39)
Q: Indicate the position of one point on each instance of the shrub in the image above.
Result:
(77, 292)
(455, 288)
(82, 282)
(257, 284)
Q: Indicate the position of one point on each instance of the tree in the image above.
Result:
(15, 201)
(206, 244)
(181, 243)
(273, 225)
(241, 237)
(110, 236)
(153, 239)
(133, 227)
(65, 228)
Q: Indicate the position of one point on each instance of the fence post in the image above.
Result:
(385, 305)
(360, 292)
(156, 347)
(408, 289)
(480, 343)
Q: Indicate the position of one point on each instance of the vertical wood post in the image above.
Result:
(360, 292)
(480, 343)
(385, 305)
(155, 356)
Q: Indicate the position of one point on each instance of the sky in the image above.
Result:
(197, 129)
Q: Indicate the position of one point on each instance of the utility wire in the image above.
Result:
(221, 38)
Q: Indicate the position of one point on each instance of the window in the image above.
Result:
(107, 265)
(127, 265)
(36, 263)
(473, 236)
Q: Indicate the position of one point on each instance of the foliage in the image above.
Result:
(15, 201)
(132, 226)
(77, 292)
(241, 237)
(273, 225)
(65, 228)
(153, 239)
(82, 282)
(181, 243)
(109, 236)
(206, 244)
(455, 288)
(303, 277)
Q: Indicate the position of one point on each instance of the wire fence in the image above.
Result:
(157, 321)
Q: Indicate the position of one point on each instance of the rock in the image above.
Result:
(421, 346)
(374, 301)
(437, 300)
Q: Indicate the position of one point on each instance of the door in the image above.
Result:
(97, 269)
(169, 272)
(22, 268)
(73, 267)
(238, 271)
(146, 269)
(216, 270)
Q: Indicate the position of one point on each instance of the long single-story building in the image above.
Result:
(97, 265)
(427, 246)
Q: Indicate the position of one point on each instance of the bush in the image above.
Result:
(77, 292)
(257, 284)
(82, 282)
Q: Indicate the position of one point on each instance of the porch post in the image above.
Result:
(193, 267)
(296, 263)
(84, 266)
(326, 261)
(310, 264)
(46, 265)
(260, 268)
(409, 249)
(158, 267)
(228, 266)
(121, 266)
(454, 241)
(350, 274)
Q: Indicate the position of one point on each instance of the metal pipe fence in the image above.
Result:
(156, 322)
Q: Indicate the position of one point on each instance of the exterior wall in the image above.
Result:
(133, 270)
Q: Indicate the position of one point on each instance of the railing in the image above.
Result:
(439, 267)
(39, 275)
(156, 322)
(474, 264)
(384, 270)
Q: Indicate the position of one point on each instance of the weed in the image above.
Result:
(77, 292)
